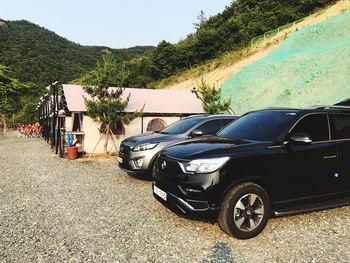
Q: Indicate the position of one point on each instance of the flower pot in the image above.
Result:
(72, 153)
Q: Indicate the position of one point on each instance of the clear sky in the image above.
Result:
(114, 23)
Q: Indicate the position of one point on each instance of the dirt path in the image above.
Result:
(54, 210)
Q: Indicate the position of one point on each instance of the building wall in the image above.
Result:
(68, 123)
(92, 134)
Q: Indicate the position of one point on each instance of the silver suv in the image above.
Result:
(137, 154)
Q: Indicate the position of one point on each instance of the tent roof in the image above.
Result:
(155, 100)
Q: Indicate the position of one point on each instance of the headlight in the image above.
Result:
(144, 147)
(204, 165)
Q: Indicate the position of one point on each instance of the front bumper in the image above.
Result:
(127, 158)
(129, 170)
(196, 208)
(194, 195)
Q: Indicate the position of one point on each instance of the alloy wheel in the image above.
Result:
(248, 212)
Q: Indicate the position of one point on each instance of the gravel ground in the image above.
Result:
(54, 210)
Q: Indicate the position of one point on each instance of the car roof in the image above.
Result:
(316, 109)
(277, 109)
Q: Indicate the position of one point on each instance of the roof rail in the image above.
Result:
(319, 107)
(338, 107)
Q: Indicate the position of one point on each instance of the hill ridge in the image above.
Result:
(39, 55)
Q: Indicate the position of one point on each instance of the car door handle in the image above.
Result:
(329, 157)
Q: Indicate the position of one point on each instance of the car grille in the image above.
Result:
(168, 166)
(124, 150)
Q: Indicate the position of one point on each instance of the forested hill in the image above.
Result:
(229, 30)
(33, 53)
(36, 54)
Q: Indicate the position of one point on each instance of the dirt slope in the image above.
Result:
(311, 67)
(219, 75)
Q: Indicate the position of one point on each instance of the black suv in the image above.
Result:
(273, 162)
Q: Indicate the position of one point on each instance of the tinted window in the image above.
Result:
(340, 126)
(182, 126)
(225, 122)
(315, 125)
(210, 127)
(259, 126)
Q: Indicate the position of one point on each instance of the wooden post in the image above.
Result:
(106, 131)
(109, 134)
(141, 123)
(62, 133)
(113, 141)
(95, 146)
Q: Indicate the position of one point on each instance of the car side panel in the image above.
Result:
(342, 180)
(308, 169)
(261, 165)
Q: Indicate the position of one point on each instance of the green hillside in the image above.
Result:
(229, 30)
(310, 67)
(33, 53)
(36, 54)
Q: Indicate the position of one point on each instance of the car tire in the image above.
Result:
(245, 210)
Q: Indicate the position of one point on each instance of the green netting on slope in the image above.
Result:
(312, 66)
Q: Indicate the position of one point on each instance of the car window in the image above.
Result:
(340, 126)
(182, 126)
(315, 125)
(210, 127)
(259, 126)
(225, 122)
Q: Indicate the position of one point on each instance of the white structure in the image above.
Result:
(161, 108)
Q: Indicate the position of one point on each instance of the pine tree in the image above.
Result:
(107, 105)
(211, 98)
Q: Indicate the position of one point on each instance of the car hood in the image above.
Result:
(151, 137)
(209, 147)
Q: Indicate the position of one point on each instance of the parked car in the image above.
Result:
(137, 154)
(273, 162)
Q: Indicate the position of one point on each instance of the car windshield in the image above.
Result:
(259, 126)
(182, 126)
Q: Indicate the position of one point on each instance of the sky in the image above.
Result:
(114, 23)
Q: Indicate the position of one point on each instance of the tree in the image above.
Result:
(211, 97)
(107, 105)
(201, 20)
(12, 93)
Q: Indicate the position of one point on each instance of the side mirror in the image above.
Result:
(197, 133)
(300, 138)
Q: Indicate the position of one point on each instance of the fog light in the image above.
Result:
(138, 163)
